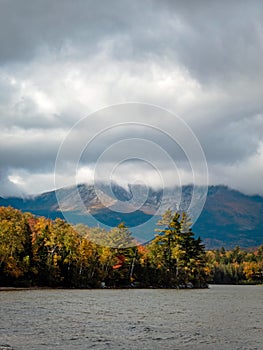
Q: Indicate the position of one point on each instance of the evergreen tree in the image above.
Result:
(180, 256)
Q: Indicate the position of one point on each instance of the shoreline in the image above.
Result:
(10, 289)
(14, 289)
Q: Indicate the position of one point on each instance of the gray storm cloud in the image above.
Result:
(62, 60)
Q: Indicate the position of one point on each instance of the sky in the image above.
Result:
(62, 62)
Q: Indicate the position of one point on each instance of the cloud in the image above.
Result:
(29, 149)
(244, 176)
(9, 187)
(61, 61)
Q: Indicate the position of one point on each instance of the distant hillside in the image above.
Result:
(3, 202)
(229, 217)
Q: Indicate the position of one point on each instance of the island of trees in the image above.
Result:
(36, 251)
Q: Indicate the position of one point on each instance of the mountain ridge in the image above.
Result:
(229, 217)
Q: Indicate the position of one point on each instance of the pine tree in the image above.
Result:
(180, 256)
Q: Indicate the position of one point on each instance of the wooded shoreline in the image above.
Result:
(36, 252)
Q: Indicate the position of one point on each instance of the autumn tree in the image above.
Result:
(123, 250)
(179, 256)
(14, 243)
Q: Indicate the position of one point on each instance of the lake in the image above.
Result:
(221, 317)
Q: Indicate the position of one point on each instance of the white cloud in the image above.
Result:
(206, 69)
(244, 176)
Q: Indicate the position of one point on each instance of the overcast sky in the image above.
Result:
(61, 61)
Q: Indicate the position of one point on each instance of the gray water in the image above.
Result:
(221, 317)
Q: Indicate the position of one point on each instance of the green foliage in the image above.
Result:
(235, 266)
(41, 252)
(177, 254)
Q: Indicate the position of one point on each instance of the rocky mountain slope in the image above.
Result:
(229, 218)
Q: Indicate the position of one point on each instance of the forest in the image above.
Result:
(39, 252)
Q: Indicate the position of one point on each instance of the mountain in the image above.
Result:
(3, 202)
(229, 217)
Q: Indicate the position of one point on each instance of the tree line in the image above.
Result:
(236, 266)
(37, 251)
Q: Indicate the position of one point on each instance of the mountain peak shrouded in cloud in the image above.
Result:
(229, 218)
(61, 61)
